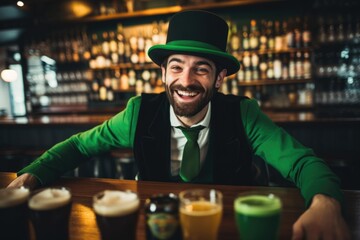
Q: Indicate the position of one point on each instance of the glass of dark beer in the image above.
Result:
(14, 222)
(116, 214)
(162, 217)
(50, 210)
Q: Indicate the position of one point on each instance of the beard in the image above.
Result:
(193, 108)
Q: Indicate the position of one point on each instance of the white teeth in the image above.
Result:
(187, 94)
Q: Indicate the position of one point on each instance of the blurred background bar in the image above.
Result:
(67, 66)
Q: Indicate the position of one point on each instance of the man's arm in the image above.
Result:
(117, 132)
(319, 186)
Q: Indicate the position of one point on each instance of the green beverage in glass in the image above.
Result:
(257, 216)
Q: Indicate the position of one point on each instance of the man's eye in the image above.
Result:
(175, 68)
(202, 70)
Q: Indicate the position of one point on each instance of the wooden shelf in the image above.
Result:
(172, 9)
(128, 66)
(274, 82)
(267, 51)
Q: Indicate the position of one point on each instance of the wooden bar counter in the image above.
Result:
(83, 224)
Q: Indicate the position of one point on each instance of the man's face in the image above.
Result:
(190, 83)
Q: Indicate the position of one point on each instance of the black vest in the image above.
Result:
(232, 155)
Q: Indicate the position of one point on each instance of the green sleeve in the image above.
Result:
(294, 161)
(117, 132)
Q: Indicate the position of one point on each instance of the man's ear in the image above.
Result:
(220, 78)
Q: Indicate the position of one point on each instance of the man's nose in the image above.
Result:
(186, 78)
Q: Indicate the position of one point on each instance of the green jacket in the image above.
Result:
(270, 142)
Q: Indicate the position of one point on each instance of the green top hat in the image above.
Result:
(198, 33)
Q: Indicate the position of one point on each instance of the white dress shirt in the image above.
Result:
(178, 140)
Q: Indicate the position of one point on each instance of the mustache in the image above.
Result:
(190, 88)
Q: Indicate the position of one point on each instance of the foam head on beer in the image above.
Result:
(13, 196)
(50, 198)
(115, 203)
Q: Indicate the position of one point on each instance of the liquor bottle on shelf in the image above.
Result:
(306, 33)
(145, 75)
(110, 94)
(159, 83)
(155, 33)
(247, 66)
(120, 42)
(234, 40)
(153, 78)
(349, 29)
(124, 80)
(67, 43)
(284, 32)
(297, 33)
(162, 32)
(290, 39)
(105, 49)
(75, 45)
(133, 41)
(263, 67)
(148, 45)
(234, 87)
(299, 67)
(278, 36)
(340, 32)
(53, 47)
(254, 35)
(61, 49)
(307, 65)
(113, 47)
(322, 36)
(263, 37)
(245, 38)
(270, 68)
(85, 45)
(277, 67)
(95, 50)
(331, 30)
(285, 66)
(115, 80)
(255, 66)
(141, 48)
(131, 77)
(270, 35)
(240, 75)
(292, 66)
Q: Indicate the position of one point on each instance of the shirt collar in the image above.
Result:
(175, 122)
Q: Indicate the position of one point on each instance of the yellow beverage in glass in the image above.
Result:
(201, 217)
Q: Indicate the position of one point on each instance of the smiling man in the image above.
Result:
(192, 133)
(190, 83)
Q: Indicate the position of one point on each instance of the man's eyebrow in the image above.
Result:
(202, 62)
(175, 60)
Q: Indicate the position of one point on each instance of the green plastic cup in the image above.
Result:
(258, 216)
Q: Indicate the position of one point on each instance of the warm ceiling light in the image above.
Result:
(9, 75)
(79, 8)
(20, 3)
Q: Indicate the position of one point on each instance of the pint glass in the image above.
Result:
(14, 222)
(116, 214)
(200, 213)
(257, 216)
(50, 213)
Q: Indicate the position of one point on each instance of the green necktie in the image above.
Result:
(190, 164)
